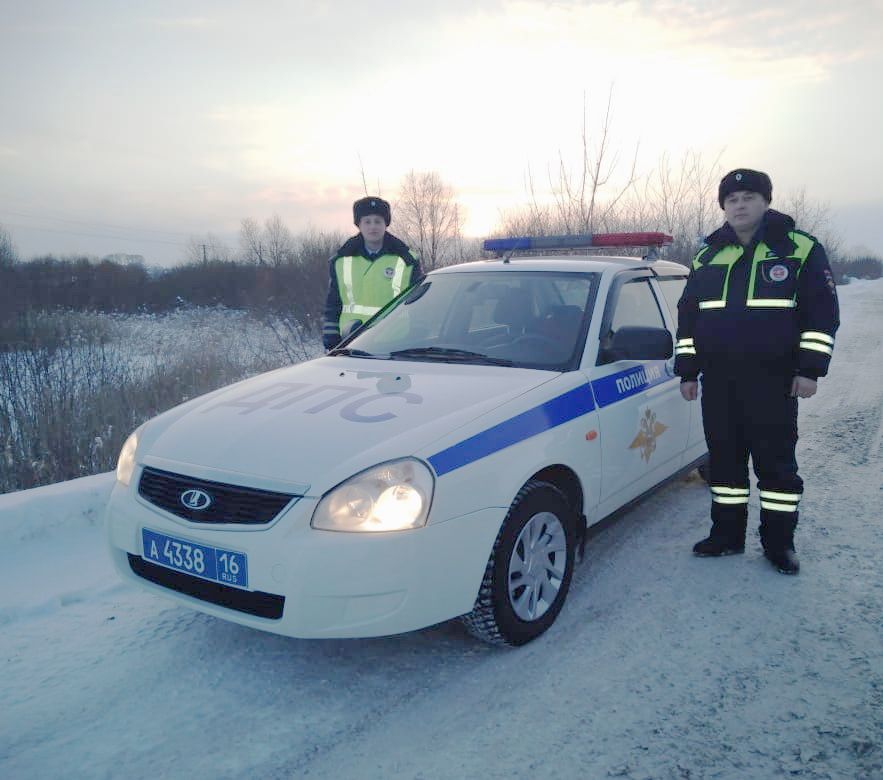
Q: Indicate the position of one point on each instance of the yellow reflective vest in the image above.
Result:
(366, 286)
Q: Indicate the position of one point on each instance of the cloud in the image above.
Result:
(790, 28)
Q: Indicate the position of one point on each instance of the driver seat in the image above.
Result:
(513, 310)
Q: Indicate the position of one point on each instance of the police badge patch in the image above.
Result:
(829, 280)
(778, 273)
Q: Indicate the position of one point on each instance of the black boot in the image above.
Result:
(727, 536)
(785, 560)
(715, 546)
(777, 537)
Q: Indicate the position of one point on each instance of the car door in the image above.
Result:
(672, 287)
(643, 419)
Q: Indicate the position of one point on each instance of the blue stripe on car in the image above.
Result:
(562, 409)
(610, 389)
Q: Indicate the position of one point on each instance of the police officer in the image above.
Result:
(367, 272)
(757, 320)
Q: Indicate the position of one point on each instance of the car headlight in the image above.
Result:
(392, 496)
(126, 461)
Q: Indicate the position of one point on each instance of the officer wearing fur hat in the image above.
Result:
(757, 322)
(367, 272)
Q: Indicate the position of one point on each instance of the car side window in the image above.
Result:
(672, 288)
(636, 306)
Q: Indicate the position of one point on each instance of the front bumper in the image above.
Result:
(333, 584)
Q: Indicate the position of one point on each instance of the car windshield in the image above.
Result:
(529, 319)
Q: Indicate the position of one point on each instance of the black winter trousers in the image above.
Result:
(751, 412)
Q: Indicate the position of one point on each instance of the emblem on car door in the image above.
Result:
(649, 430)
(196, 499)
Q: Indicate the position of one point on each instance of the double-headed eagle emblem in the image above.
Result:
(649, 431)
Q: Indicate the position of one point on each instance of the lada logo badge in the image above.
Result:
(196, 499)
(650, 429)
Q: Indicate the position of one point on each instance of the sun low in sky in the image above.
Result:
(155, 121)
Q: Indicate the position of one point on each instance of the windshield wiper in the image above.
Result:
(448, 354)
(356, 353)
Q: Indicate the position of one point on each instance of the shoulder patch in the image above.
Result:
(829, 280)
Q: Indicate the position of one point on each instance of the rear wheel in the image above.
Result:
(529, 570)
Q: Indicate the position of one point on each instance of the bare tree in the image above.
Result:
(578, 204)
(584, 199)
(814, 217)
(680, 200)
(251, 251)
(272, 245)
(429, 219)
(278, 242)
(8, 254)
(207, 249)
(704, 179)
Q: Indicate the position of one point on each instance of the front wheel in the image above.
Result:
(529, 570)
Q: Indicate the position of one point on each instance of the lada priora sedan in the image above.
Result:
(445, 461)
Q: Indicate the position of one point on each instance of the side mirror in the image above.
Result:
(639, 343)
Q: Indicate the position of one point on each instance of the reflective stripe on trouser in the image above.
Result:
(729, 513)
(777, 501)
(730, 496)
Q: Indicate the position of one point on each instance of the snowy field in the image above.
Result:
(117, 371)
(661, 665)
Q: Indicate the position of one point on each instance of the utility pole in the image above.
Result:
(204, 258)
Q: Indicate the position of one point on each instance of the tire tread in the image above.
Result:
(481, 622)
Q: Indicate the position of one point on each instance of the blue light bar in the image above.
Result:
(576, 241)
(537, 242)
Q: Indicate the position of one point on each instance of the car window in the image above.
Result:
(672, 288)
(636, 306)
(533, 319)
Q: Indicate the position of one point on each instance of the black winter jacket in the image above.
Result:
(771, 305)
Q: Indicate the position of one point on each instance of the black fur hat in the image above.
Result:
(371, 205)
(745, 179)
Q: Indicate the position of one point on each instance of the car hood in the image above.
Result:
(307, 427)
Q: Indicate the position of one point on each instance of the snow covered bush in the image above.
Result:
(78, 384)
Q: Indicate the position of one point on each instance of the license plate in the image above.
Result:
(200, 560)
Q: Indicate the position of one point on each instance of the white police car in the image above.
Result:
(444, 461)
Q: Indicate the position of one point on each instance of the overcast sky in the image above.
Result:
(154, 121)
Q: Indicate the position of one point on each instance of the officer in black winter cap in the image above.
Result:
(744, 179)
(369, 270)
(756, 323)
(371, 205)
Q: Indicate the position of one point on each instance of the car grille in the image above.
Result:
(265, 605)
(229, 503)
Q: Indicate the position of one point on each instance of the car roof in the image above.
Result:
(568, 264)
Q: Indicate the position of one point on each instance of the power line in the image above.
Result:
(97, 235)
(91, 223)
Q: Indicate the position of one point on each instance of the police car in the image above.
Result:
(446, 460)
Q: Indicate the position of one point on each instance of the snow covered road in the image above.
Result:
(662, 665)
